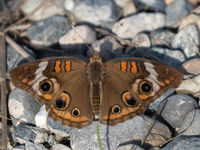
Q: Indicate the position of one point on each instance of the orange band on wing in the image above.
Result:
(167, 81)
(57, 66)
(25, 80)
(133, 67)
(47, 96)
(123, 66)
(67, 65)
(144, 97)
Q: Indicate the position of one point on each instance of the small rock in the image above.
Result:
(190, 124)
(34, 146)
(194, 2)
(130, 26)
(192, 18)
(167, 2)
(192, 66)
(46, 9)
(129, 8)
(57, 128)
(22, 107)
(190, 86)
(157, 5)
(183, 143)
(14, 59)
(106, 47)
(60, 147)
(161, 38)
(19, 147)
(69, 5)
(24, 133)
(187, 40)
(177, 10)
(52, 140)
(121, 3)
(41, 118)
(113, 136)
(142, 40)
(154, 105)
(76, 39)
(175, 108)
(130, 147)
(103, 12)
(47, 32)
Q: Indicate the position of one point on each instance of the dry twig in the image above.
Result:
(3, 91)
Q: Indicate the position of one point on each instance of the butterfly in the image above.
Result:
(77, 92)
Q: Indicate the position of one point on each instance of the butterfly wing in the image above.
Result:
(59, 83)
(130, 84)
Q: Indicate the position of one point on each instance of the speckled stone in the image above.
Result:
(177, 10)
(47, 9)
(113, 136)
(184, 143)
(190, 86)
(104, 12)
(190, 125)
(22, 106)
(14, 59)
(156, 5)
(192, 66)
(75, 40)
(130, 26)
(175, 108)
(24, 133)
(47, 32)
(187, 40)
(107, 47)
(141, 40)
(161, 38)
(34, 146)
(60, 147)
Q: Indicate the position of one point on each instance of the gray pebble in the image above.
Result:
(174, 108)
(101, 12)
(112, 136)
(57, 128)
(187, 40)
(157, 5)
(24, 133)
(107, 47)
(183, 143)
(130, 26)
(34, 146)
(141, 40)
(75, 40)
(14, 59)
(130, 147)
(60, 147)
(177, 10)
(19, 147)
(47, 32)
(161, 38)
(22, 106)
(191, 123)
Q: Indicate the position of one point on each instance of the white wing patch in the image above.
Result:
(39, 76)
(152, 77)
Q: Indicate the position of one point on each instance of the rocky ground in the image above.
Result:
(167, 30)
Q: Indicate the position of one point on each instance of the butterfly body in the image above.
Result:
(77, 92)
